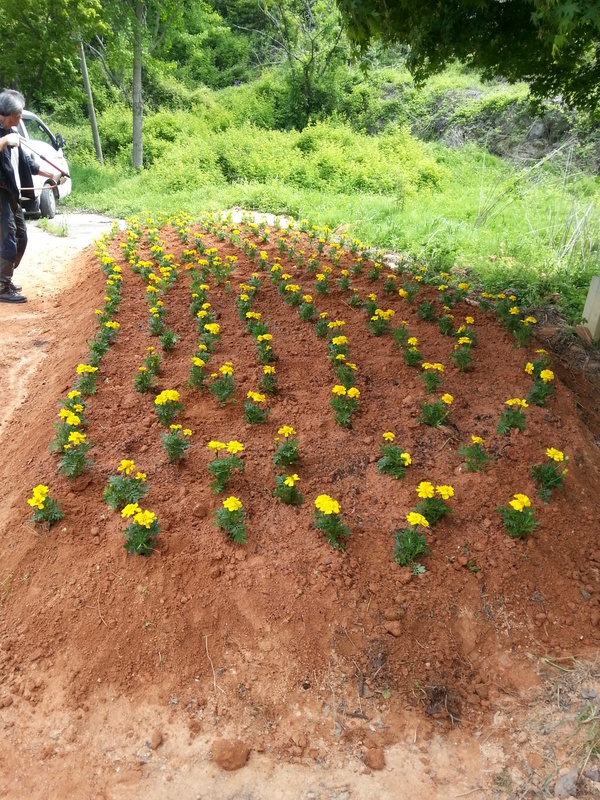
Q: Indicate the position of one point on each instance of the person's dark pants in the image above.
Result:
(13, 236)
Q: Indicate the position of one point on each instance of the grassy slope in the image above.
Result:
(408, 195)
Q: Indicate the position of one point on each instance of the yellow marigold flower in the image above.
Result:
(512, 297)
(353, 392)
(425, 489)
(175, 427)
(268, 370)
(72, 395)
(39, 494)
(234, 447)
(464, 340)
(130, 509)
(418, 278)
(530, 320)
(126, 466)
(232, 504)
(389, 436)
(327, 505)
(321, 277)
(257, 397)
(442, 287)
(264, 337)
(406, 459)
(413, 518)
(151, 289)
(291, 479)
(339, 390)
(187, 431)
(112, 324)
(547, 375)
(463, 286)
(337, 323)
(144, 518)
(202, 347)
(402, 292)
(372, 297)
(323, 315)
(412, 341)
(307, 298)
(77, 408)
(83, 369)
(445, 492)
(554, 454)
(516, 402)
(77, 438)
(140, 476)
(253, 315)
(477, 440)
(214, 445)
(520, 502)
(213, 328)
(286, 430)
(292, 287)
(529, 368)
(447, 398)
(470, 320)
(226, 369)
(202, 314)
(461, 329)
(72, 419)
(198, 362)
(513, 310)
(339, 340)
(166, 396)
(97, 311)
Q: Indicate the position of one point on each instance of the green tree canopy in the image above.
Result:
(554, 45)
(39, 44)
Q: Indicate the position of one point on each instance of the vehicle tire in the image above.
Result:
(48, 203)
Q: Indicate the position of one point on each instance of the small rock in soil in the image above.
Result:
(566, 785)
(592, 775)
(155, 739)
(393, 627)
(374, 758)
(230, 754)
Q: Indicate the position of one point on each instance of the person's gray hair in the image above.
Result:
(11, 102)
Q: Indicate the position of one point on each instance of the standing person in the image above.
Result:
(16, 170)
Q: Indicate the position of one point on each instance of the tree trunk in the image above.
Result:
(90, 102)
(138, 105)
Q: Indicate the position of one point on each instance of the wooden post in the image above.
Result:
(591, 311)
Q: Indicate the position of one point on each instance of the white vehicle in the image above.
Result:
(39, 142)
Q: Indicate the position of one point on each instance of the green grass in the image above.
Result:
(533, 230)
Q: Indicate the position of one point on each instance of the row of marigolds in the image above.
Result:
(518, 514)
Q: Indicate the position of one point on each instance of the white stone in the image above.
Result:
(591, 311)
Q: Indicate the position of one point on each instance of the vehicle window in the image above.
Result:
(37, 131)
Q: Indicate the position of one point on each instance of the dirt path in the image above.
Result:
(149, 744)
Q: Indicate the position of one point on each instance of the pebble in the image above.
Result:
(566, 785)
(374, 758)
(393, 627)
(230, 754)
(155, 739)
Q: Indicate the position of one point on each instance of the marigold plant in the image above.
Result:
(394, 459)
(142, 532)
(518, 517)
(550, 476)
(45, 510)
(328, 520)
(230, 518)
(126, 487)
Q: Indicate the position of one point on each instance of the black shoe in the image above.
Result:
(14, 287)
(8, 296)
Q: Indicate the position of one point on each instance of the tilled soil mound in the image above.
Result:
(254, 633)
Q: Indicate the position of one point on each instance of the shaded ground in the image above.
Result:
(101, 650)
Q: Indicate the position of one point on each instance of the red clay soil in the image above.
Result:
(249, 633)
